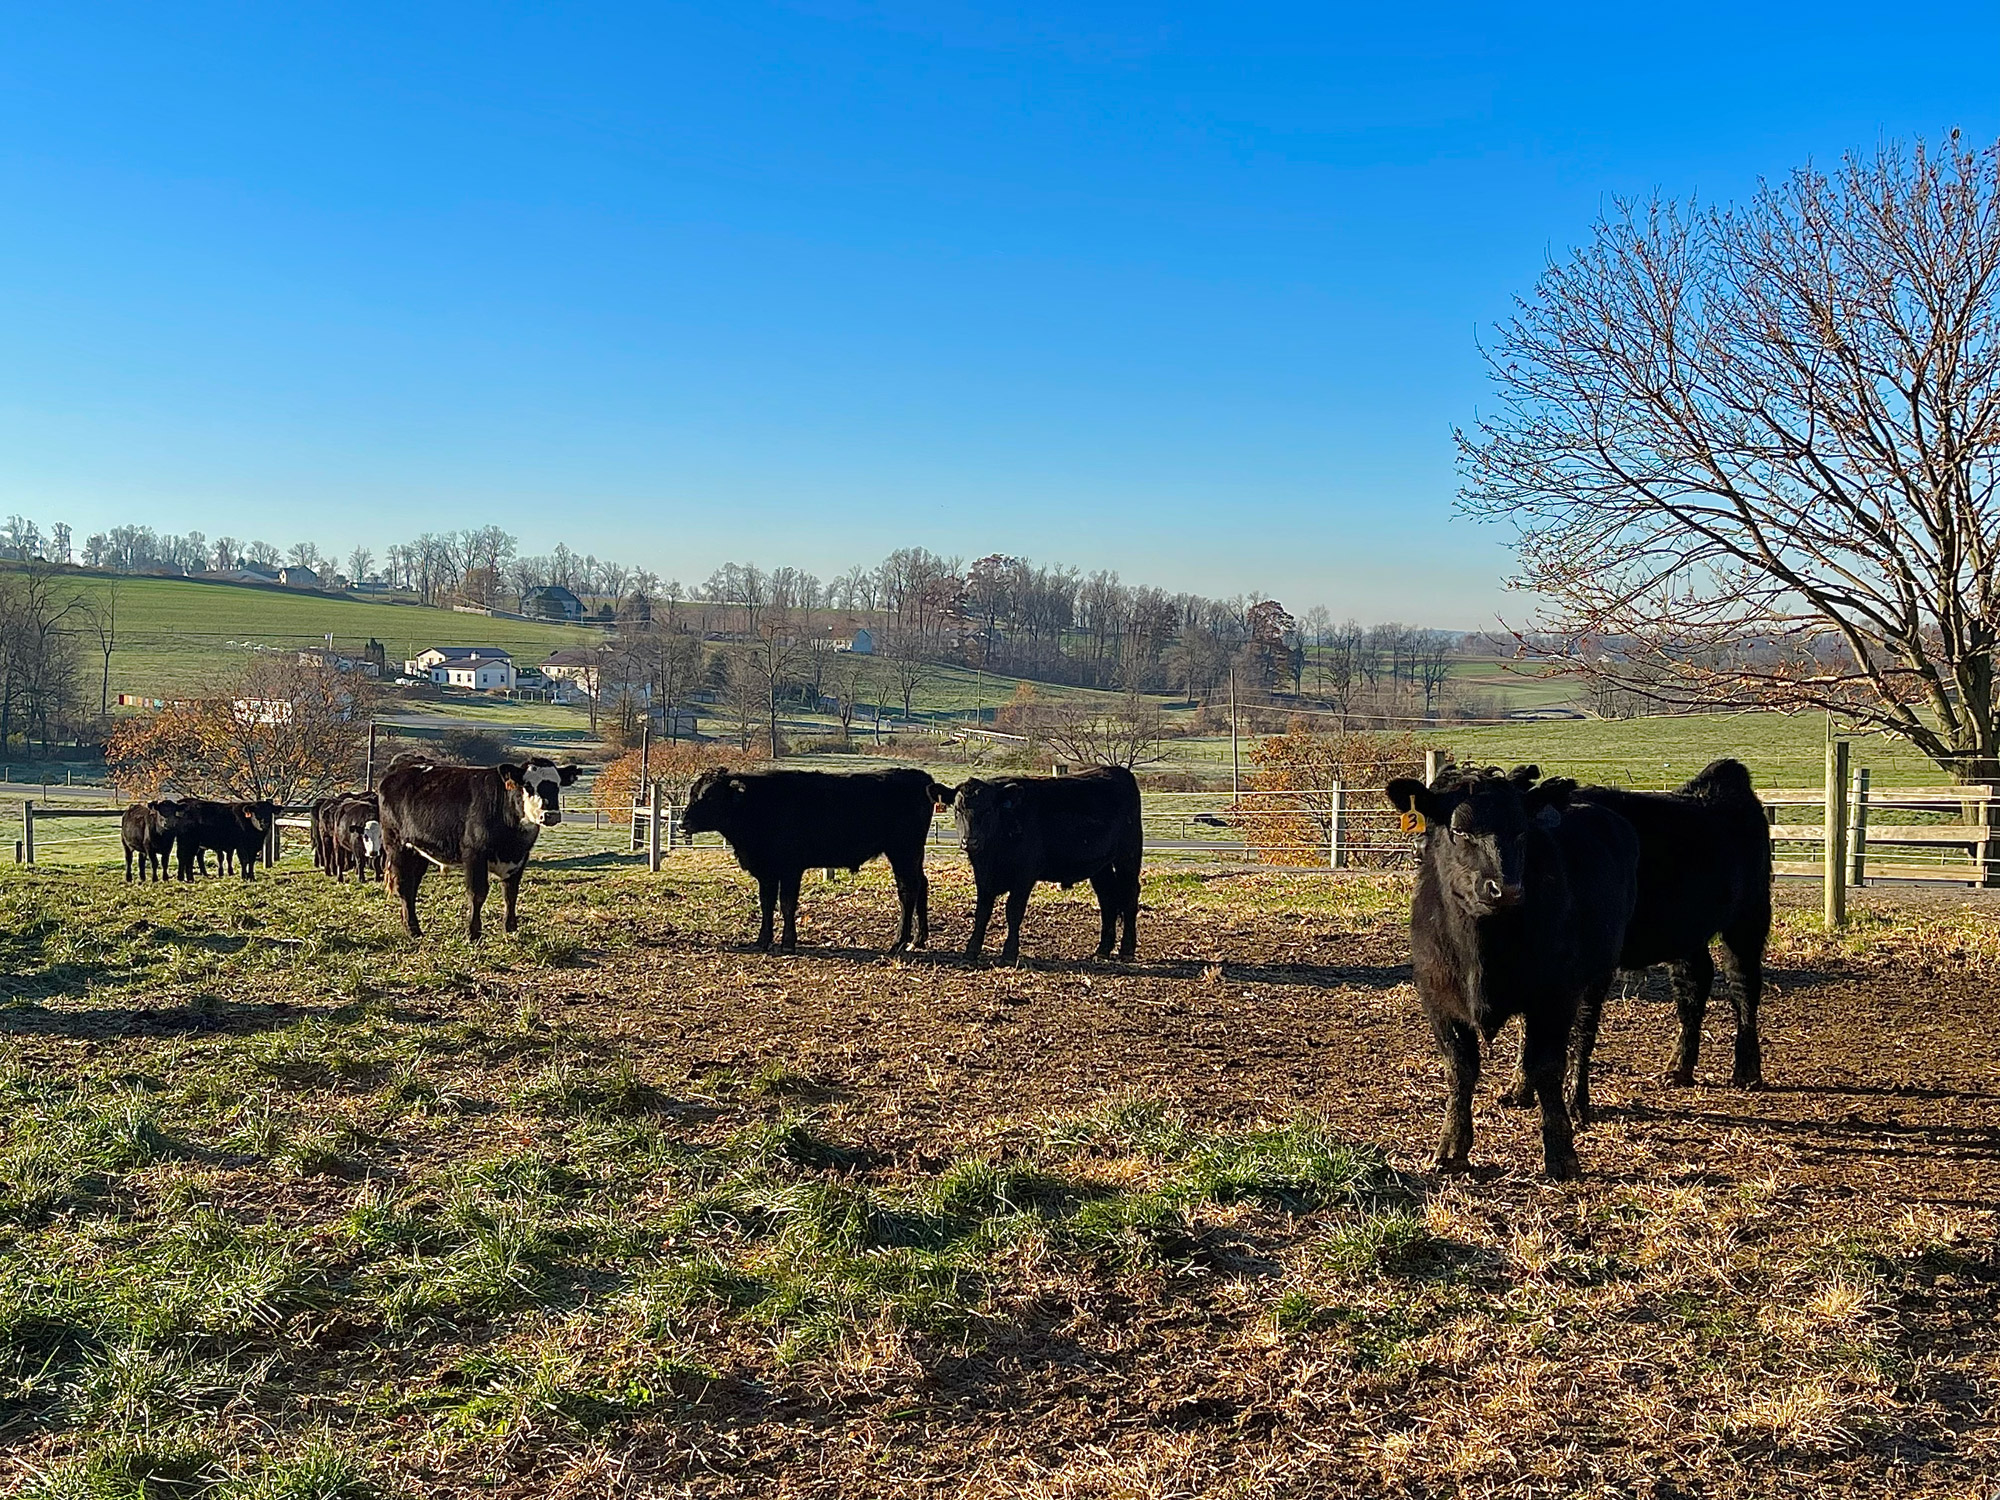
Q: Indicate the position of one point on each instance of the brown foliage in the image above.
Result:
(1293, 772)
(291, 733)
(675, 765)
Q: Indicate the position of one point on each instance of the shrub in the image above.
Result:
(473, 747)
(675, 764)
(1287, 823)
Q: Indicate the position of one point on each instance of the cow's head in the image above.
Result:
(261, 815)
(371, 838)
(539, 785)
(986, 811)
(713, 801)
(1476, 829)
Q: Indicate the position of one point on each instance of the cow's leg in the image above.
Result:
(1460, 1044)
(247, 863)
(1017, 908)
(1543, 1051)
(913, 890)
(1105, 884)
(510, 888)
(1582, 1042)
(1128, 948)
(406, 874)
(476, 880)
(982, 913)
(1694, 977)
(1746, 951)
(128, 867)
(767, 901)
(788, 899)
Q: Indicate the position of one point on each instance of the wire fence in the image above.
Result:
(1847, 831)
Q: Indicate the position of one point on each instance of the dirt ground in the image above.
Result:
(1784, 1291)
(1883, 1101)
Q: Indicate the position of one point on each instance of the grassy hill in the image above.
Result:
(177, 635)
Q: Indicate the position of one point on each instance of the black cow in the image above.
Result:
(1018, 830)
(1521, 907)
(147, 830)
(481, 818)
(355, 836)
(779, 824)
(1704, 873)
(236, 831)
(320, 817)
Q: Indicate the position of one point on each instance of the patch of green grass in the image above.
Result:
(60, 1146)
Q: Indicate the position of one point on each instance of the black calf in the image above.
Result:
(1521, 908)
(779, 824)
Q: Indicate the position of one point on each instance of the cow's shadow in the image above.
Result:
(198, 1015)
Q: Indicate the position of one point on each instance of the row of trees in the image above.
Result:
(56, 643)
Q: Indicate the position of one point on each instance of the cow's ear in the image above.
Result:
(1417, 803)
(1524, 776)
(1403, 793)
(510, 773)
(1551, 796)
(569, 774)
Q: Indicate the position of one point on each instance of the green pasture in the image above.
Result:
(179, 636)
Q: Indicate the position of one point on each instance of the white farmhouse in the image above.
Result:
(477, 667)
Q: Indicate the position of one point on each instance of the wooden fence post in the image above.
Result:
(1857, 835)
(1336, 853)
(1835, 852)
(28, 830)
(1430, 766)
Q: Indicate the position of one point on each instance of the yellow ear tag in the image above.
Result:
(1413, 821)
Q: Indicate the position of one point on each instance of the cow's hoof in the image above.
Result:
(1452, 1166)
(1579, 1113)
(1747, 1081)
(1519, 1096)
(1678, 1078)
(1562, 1169)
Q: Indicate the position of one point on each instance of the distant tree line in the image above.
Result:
(1006, 615)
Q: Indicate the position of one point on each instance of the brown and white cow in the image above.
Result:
(484, 819)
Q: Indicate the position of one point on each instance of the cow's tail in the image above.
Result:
(1723, 783)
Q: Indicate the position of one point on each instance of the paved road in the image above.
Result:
(13, 790)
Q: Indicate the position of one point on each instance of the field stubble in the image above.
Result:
(289, 1206)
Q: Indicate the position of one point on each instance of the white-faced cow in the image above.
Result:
(354, 836)
(1521, 907)
(484, 819)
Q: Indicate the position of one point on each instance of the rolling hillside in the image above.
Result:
(176, 635)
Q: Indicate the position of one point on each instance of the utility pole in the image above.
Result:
(1235, 753)
(371, 755)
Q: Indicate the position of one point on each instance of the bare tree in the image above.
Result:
(907, 666)
(849, 677)
(1752, 454)
(775, 656)
(100, 622)
(1128, 736)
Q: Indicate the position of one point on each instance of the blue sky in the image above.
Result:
(1190, 292)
